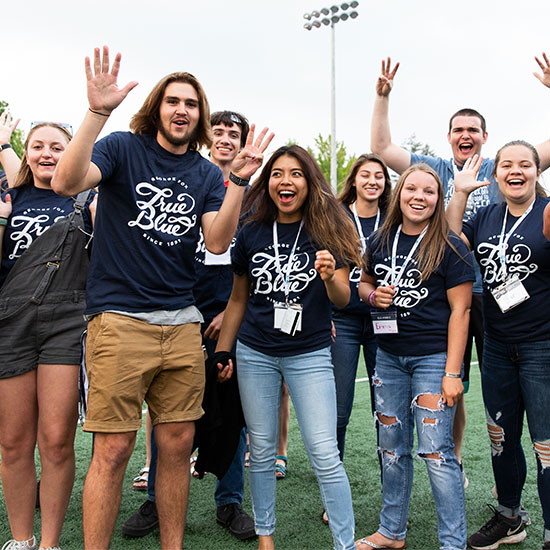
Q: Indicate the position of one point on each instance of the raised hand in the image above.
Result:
(545, 67)
(465, 180)
(104, 95)
(251, 157)
(7, 126)
(384, 84)
(5, 207)
(325, 264)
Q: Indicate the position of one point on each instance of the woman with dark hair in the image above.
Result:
(514, 256)
(365, 195)
(419, 282)
(290, 265)
(39, 355)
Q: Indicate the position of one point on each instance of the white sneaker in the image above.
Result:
(20, 544)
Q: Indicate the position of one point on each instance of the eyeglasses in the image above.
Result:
(237, 120)
(64, 125)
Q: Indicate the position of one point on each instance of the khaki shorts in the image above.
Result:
(129, 361)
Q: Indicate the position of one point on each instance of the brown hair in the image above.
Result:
(325, 219)
(432, 249)
(349, 191)
(25, 176)
(539, 190)
(469, 112)
(147, 120)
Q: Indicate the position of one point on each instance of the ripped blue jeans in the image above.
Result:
(400, 384)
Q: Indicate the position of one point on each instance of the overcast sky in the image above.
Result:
(255, 56)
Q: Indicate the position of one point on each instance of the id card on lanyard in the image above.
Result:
(511, 292)
(287, 317)
(385, 321)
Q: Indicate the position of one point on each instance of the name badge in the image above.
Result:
(288, 318)
(217, 259)
(384, 322)
(510, 294)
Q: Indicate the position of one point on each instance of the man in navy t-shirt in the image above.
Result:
(466, 136)
(144, 339)
(214, 280)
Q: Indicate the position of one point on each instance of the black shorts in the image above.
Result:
(48, 333)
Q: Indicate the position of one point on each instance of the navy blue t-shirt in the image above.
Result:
(213, 285)
(254, 256)
(34, 210)
(147, 224)
(356, 306)
(528, 256)
(423, 310)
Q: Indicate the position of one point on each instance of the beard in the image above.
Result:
(189, 137)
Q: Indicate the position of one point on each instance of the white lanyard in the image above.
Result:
(396, 279)
(286, 285)
(503, 239)
(360, 229)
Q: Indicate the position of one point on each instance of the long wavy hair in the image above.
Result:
(325, 220)
(147, 119)
(24, 175)
(432, 248)
(348, 194)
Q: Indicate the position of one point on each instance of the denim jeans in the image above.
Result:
(516, 380)
(352, 332)
(399, 381)
(310, 381)
(229, 489)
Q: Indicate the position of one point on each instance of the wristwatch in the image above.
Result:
(5, 146)
(238, 181)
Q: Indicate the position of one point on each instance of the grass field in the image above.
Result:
(299, 526)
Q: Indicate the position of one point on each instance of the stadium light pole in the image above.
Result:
(314, 20)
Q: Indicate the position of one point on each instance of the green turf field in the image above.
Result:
(299, 526)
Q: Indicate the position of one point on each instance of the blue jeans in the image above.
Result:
(516, 380)
(352, 332)
(310, 381)
(399, 381)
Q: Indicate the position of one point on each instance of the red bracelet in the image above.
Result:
(370, 298)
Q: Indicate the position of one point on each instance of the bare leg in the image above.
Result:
(18, 420)
(103, 487)
(266, 542)
(284, 419)
(148, 430)
(459, 427)
(174, 441)
(56, 430)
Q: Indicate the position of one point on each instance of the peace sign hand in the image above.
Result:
(104, 94)
(251, 157)
(545, 67)
(384, 84)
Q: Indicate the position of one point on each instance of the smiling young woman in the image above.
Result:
(39, 350)
(290, 266)
(508, 242)
(418, 281)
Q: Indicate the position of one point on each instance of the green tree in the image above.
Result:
(321, 153)
(413, 145)
(18, 136)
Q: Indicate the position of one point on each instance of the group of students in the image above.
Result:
(396, 278)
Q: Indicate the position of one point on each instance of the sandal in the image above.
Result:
(378, 547)
(140, 481)
(281, 470)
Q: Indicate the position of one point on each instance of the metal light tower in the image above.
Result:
(331, 16)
